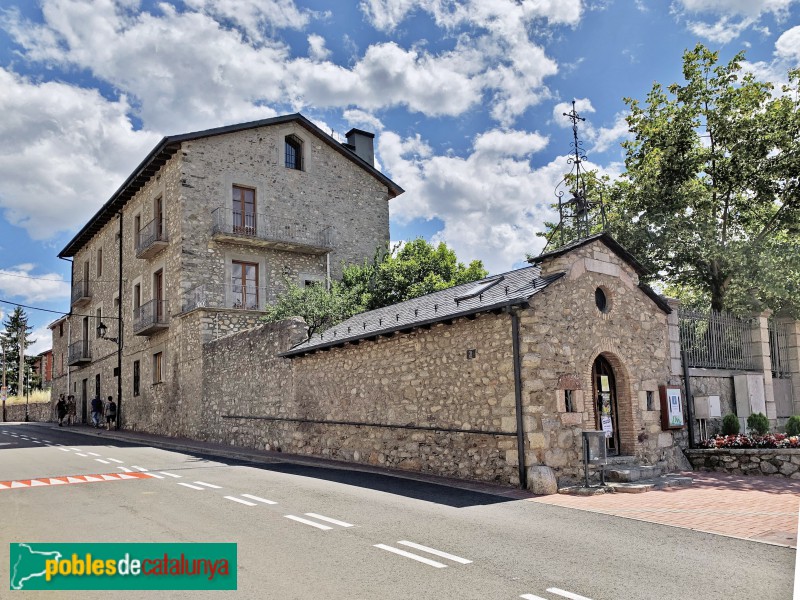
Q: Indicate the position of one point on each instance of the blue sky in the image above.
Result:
(465, 98)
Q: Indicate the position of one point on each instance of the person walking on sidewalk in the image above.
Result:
(111, 413)
(61, 410)
(97, 411)
(71, 412)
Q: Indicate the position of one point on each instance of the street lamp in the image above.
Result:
(101, 333)
(102, 330)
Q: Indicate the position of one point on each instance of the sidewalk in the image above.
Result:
(760, 509)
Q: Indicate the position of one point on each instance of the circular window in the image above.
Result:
(600, 300)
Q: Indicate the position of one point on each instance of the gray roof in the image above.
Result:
(486, 295)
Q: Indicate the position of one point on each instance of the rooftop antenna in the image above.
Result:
(575, 215)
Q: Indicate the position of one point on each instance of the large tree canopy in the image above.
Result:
(710, 197)
(415, 269)
(15, 323)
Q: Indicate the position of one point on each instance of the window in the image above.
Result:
(244, 210)
(99, 262)
(294, 153)
(158, 217)
(157, 366)
(136, 378)
(137, 297)
(244, 285)
(569, 401)
(158, 295)
(137, 227)
(650, 400)
(61, 330)
(600, 300)
(99, 317)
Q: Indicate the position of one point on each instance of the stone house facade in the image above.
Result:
(201, 236)
(493, 380)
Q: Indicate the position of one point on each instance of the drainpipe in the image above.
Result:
(328, 271)
(523, 475)
(119, 331)
(69, 314)
(689, 400)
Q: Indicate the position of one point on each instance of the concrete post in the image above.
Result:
(761, 355)
(793, 352)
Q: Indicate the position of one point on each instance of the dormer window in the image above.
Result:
(294, 152)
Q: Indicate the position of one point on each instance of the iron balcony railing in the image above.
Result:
(779, 349)
(80, 291)
(151, 315)
(243, 297)
(259, 226)
(715, 340)
(79, 351)
(149, 235)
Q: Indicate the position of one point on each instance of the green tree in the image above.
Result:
(15, 322)
(710, 200)
(319, 307)
(416, 269)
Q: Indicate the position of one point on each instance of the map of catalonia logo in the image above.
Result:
(83, 566)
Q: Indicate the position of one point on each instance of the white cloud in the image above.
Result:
(605, 137)
(64, 152)
(254, 16)
(21, 283)
(316, 47)
(360, 118)
(43, 341)
(787, 57)
(787, 46)
(728, 18)
(601, 138)
(582, 106)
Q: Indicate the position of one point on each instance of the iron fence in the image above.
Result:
(148, 235)
(80, 290)
(779, 349)
(715, 340)
(263, 227)
(151, 314)
(217, 295)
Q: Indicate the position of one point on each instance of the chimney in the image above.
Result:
(361, 142)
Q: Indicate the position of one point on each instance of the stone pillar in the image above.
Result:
(674, 337)
(761, 355)
(793, 352)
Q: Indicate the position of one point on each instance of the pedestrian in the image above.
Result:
(61, 410)
(97, 411)
(71, 412)
(111, 413)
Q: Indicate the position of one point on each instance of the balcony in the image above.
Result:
(79, 353)
(151, 317)
(80, 293)
(151, 239)
(241, 297)
(259, 230)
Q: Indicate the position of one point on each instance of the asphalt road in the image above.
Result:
(334, 534)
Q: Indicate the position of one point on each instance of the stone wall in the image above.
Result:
(38, 411)
(776, 462)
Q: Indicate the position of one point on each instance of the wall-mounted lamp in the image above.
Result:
(101, 333)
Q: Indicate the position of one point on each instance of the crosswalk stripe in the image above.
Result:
(259, 499)
(421, 559)
(240, 501)
(566, 594)
(452, 557)
(307, 522)
(329, 520)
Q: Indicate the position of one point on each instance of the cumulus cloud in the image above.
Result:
(316, 47)
(43, 341)
(22, 283)
(722, 21)
(64, 152)
(600, 138)
(787, 46)
(363, 119)
(492, 202)
(786, 57)
(254, 16)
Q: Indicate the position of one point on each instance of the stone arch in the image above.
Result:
(626, 411)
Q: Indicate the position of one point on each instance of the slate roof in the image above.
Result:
(490, 294)
(171, 144)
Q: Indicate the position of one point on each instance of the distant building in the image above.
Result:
(43, 367)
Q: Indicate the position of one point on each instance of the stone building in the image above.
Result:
(204, 232)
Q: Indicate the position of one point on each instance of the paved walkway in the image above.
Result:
(761, 509)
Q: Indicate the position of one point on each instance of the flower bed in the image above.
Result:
(771, 440)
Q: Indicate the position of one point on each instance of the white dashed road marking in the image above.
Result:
(452, 557)
(307, 522)
(170, 474)
(211, 485)
(240, 501)
(259, 499)
(329, 520)
(115, 460)
(565, 594)
(100, 460)
(421, 559)
(156, 476)
(92, 454)
(126, 469)
(531, 597)
(189, 485)
(138, 468)
(64, 449)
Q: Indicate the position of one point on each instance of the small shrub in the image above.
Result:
(758, 423)
(730, 424)
(793, 426)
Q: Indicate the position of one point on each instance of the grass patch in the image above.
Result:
(36, 397)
